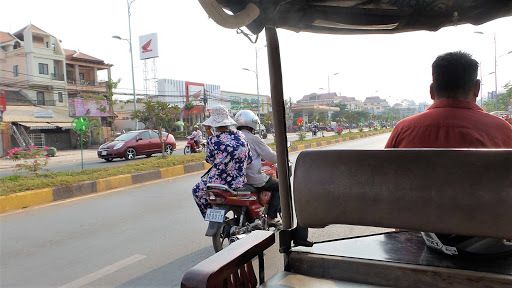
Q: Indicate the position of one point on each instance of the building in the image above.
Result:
(36, 62)
(204, 96)
(46, 86)
(237, 101)
(82, 74)
(375, 105)
(330, 99)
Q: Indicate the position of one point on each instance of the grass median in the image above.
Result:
(19, 183)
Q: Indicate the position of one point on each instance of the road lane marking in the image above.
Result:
(103, 272)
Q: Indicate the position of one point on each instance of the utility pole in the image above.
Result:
(205, 101)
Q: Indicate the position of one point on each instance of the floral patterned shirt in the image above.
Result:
(229, 154)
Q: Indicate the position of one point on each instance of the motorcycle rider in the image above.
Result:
(197, 135)
(246, 122)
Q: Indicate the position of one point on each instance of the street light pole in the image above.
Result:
(329, 81)
(131, 58)
(257, 77)
(495, 64)
(129, 3)
(495, 75)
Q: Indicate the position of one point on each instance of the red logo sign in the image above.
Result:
(145, 47)
(300, 121)
(3, 101)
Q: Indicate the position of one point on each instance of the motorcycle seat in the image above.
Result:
(246, 189)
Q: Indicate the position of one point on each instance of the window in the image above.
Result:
(15, 70)
(144, 135)
(154, 135)
(43, 68)
(60, 97)
(40, 98)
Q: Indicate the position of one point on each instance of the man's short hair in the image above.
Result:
(454, 72)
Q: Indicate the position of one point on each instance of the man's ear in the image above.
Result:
(432, 93)
(476, 89)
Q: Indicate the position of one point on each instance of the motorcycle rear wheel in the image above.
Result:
(221, 238)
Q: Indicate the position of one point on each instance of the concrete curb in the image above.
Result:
(47, 195)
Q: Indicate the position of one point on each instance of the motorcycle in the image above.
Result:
(191, 146)
(236, 213)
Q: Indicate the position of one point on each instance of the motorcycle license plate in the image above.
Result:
(215, 215)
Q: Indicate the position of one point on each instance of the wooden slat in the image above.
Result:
(214, 270)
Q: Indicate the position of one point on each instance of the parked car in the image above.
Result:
(136, 143)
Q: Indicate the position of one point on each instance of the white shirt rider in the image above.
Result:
(197, 135)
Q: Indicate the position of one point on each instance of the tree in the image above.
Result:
(189, 105)
(157, 116)
(323, 118)
(338, 114)
(267, 120)
(350, 118)
(503, 100)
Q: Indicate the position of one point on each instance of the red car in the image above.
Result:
(136, 143)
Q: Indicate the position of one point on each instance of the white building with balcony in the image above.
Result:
(35, 62)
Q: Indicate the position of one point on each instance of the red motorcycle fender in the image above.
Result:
(212, 228)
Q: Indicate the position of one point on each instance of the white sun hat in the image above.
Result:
(219, 117)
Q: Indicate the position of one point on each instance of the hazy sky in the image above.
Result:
(194, 48)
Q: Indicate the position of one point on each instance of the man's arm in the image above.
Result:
(393, 139)
(263, 150)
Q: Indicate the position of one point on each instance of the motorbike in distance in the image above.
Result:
(236, 213)
(191, 146)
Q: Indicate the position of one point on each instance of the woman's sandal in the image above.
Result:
(276, 223)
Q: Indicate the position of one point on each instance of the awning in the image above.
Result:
(63, 125)
(38, 125)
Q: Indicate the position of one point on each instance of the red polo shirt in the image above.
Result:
(452, 123)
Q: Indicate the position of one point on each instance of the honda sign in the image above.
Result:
(148, 46)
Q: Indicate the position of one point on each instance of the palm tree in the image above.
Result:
(189, 105)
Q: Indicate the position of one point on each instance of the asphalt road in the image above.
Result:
(143, 236)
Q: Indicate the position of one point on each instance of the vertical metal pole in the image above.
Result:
(278, 112)
(261, 268)
(82, 149)
(329, 84)
(481, 81)
(257, 82)
(131, 57)
(495, 75)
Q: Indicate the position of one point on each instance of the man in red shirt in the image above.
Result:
(454, 120)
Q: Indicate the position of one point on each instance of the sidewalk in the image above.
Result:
(72, 156)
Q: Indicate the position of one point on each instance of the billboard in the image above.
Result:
(81, 107)
(3, 101)
(148, 46)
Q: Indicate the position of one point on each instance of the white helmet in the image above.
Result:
(247, 118)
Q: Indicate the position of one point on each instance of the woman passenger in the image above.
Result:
(227, 152)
